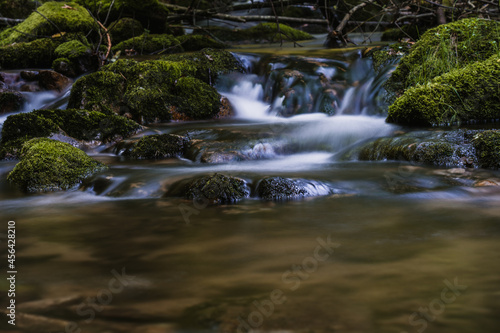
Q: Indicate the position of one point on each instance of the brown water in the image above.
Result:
(396, 248)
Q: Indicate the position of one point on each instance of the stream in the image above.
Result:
(383, 246)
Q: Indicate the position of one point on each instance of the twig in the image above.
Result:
(55, 25)
(109, 41)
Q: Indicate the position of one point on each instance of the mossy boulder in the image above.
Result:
(208, 64)
(100, 91)
(77, 124)
(38, 53)
(217, 189)
(151, 13)
(450, 149)
(269, 32)
(64, 66)
(80, 56)
(125, 28)
(158, 146)
(487, 145)
(150, 43)
(467, 95)
(196, 99)
(49, 165)
(444, 48)
(55, 17)
(10, 101)
(192, 43)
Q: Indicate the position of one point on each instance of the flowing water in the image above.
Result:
(383, 247)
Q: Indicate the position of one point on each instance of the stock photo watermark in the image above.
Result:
(91, 305)
(420, 320)
(293, 278)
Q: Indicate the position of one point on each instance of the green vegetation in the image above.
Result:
(49, 165)
(444, 48)
(125, 28)
(203, 101)
(76, 19)
(487, 145)
(147, 44)
(468, 94)
(100, 91)
(198, 42)
(38, 53)
(158, 146)
(71, 50)
(269, 32)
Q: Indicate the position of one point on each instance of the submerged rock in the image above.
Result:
(459, 148)
(158, 146)
(280, 189)
(217, 189)
(48, 165)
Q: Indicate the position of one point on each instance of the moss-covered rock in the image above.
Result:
(48, 165)
(217, 189)
(203, 101)
(100, 91)
(467, 95)
(269, 32)
(208, 64)
(444, 48)
(55, 17)
(78, 124)
(64, 66)
(125, 28)
(148, 43)
(151, 13)
(487, 145)
(10, 101)
(158, 147)
(450, 149)
(192, 43)
(38, 53)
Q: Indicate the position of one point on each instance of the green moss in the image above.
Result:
(147, 44)
(149, 105)
(388, 55)
(218, 189)
(198, 42)
(158, 146)
(149, 12)
(444, 48)
(196, 99)
(76, 19)
(487, 145)
(10, 150)
(208, 64)
(27, 125)
(64, 66)
(72, 49)
(469, 94)
(125, 28)
(48, 165)
(90, 125)
(38, 53)
(269, 32)
(452, 149)
(100, 91)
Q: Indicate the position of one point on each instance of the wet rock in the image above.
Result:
(78, 55)
(38, 53)
(52, 18)
(48, 165)
(29, 75)
(10, 101)
(64, 66)
(458, 148)
(158, 146)
(52, 80)
(125, 28)
(217, 189)
(150, 43)
(281, 189)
